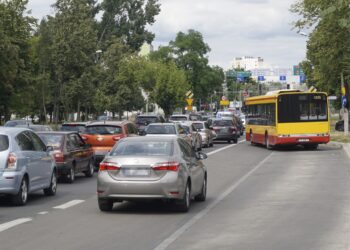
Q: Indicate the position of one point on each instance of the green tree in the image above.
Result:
(128, 20)
(15, 29)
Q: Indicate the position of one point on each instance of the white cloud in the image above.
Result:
(230, 27)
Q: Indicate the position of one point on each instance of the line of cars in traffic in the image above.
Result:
(165, 163)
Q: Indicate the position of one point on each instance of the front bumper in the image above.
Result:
(169, 186)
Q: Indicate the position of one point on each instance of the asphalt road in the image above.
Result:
(257, 199)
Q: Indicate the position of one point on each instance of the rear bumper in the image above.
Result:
(301, 140)
(224, 137)
(10, 182)
(169, 186)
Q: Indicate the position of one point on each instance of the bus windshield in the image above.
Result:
(302, 108)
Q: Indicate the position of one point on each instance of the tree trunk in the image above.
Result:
(78, 114)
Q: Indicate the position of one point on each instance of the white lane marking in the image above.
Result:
(174, 236)
(224, 148)
(13, 223)
(43, 212)
(69, 204)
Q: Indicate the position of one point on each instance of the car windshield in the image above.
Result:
(161, 129)
(75, 128)
(198, 126)
(178, 118)
(144, 120)
(195, 118)
(143, 148)
(4, 143)
(103, 130)
(52, 140)
(222, 123)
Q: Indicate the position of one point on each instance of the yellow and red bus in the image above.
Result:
(288, 117)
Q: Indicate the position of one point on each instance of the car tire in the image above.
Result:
(203, 195)
(183, 205)
(91, 169)
(105, 205)
(71, 176)
(20, 199)
(235, 140)
(51, 190)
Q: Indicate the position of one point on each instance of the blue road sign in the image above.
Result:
(302, 78)
(283, 78)
(261, 78)
(343, 101)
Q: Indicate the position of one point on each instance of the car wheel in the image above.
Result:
(211, 144)
(51, 190)
(203, 195)
(71, 175)
(184, 203)
(21, 197)
(91, 169)
(235, 140)
(105, 205)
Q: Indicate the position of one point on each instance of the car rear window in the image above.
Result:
(178, 118)
(54, 141)
(161, 129)
(222, 123)
(4, 143)
(103, 130)
(198, 125)
(146, 119)
(143, 148)
(75, 128)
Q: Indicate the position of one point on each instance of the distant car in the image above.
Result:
(179, 118)
(152, 168)
(74, 126)
(142, 121)
(165, 129)
(339, 126)
(14, 123)
(36, 128)
(207, 134)
(225, 130)
(71, 153)
(193, 134)
(103, 135)
(26, 165)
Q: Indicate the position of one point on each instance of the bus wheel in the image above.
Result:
(267, 142)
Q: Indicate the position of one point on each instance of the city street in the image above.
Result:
(257, 199)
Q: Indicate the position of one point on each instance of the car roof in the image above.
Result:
(115, 123)
(162, 124)
(152, 138)
(75, 123)
(12, 130)
(57, 132)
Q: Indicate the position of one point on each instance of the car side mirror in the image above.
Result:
(49, 149)
(201, 156)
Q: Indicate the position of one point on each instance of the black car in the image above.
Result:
(225, 130)
(339, 126)
(74, 126)
(142, 121)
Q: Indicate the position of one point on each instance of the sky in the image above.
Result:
(231, 28)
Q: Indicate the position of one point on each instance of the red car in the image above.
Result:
(71, 153)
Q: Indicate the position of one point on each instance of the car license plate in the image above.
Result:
(136, 172)
(303, 140)
(224, 130)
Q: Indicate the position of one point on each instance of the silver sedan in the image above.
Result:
(151, 168)
(208, 135)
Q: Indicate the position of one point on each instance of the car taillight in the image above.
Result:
(59, 156)
(117, 138)
(11, 161)
(108, 166)
(167, 166)
(233, 129)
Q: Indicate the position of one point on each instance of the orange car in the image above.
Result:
(103, 135)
